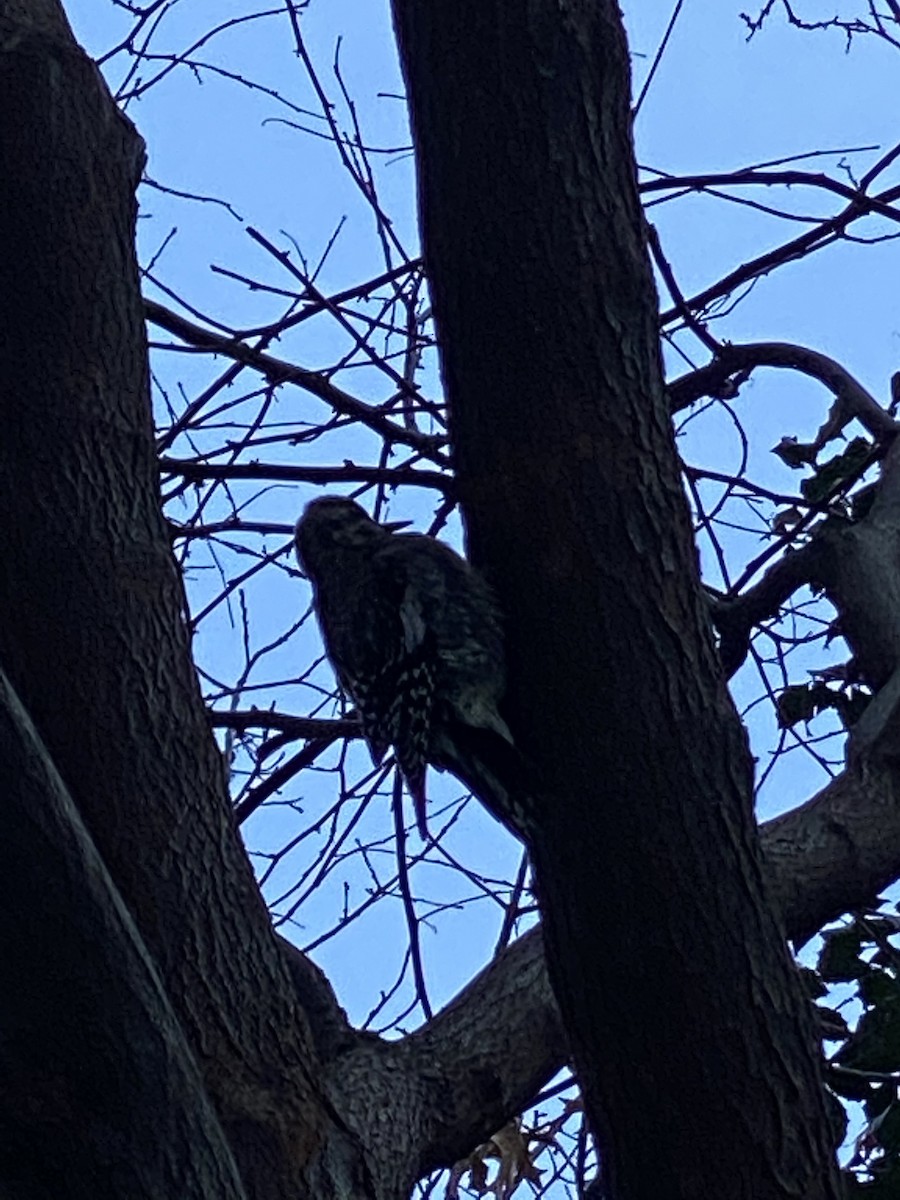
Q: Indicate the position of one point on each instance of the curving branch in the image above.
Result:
(826, 559)
(853, 400)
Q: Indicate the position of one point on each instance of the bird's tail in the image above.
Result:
(415, 785)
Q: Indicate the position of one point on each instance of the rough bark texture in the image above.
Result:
(461, 1077)
(92, 635)
(688, 1027)
(143, 996)
(94, 1067)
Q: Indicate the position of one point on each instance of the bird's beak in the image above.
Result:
(394, 526)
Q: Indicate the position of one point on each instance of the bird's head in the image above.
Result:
(334, 523)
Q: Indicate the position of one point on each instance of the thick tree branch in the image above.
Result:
(332, 1032)
(736, 618)
(841, 848)
(451, 1084)
(861, 574)
(852, 399)
(92, 636)
(488, 1053)
(87, 1028)
(644, 831)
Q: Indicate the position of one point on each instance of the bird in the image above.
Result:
(415, 638)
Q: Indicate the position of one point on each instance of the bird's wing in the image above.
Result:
(413, 620)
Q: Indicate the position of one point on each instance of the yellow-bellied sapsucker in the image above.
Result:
(414, 635)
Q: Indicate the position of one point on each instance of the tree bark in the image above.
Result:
(690, 1033)
(144, 976)
(100, 1096)
(92, 635)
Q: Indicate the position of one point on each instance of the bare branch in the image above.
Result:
(349, 473)
(277, 370)
(299, 727)
(855, 401)
(737, 617)
(814, 239)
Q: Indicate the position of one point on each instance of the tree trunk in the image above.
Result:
(92, 635)
(100, 1094)
(157, 1039)
(691, 1034)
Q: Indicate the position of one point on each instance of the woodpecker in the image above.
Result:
(415, 639)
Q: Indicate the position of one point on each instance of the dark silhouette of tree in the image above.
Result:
(158, 1037)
